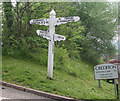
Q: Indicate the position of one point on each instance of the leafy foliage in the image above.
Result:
(86, 39)
(100, 23)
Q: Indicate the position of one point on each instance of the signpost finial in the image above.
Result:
(52, 12)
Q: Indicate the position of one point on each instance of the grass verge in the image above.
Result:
(75, 80)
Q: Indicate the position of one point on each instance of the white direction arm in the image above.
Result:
(43, 34)
(59, 37)
(58, 21)
(40, 32)
(64, 20)
(40, 21)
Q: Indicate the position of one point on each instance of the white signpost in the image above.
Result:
(51, 36)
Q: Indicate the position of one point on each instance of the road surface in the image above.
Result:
(11, 93)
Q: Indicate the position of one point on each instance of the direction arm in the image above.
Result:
(43, 34)
(40, 21)
(59, 37)
(64, 20)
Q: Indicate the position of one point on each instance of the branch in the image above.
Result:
(32, 4)
(23, 9)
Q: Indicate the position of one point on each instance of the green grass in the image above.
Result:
(75, 80)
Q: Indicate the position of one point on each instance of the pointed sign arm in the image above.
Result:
(43, 34)
(40, 21)
(64, 20)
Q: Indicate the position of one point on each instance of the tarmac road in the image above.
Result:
(11, 93)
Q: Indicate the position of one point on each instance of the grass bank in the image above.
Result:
(75, 80)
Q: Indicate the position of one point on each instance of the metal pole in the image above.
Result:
(117, 91)
(99, 84)
(51, 44)
(115, 86)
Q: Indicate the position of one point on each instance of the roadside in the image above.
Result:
(12, 91)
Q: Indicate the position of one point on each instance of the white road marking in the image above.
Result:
(3, 98)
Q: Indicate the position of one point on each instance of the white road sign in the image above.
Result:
(40, 21)
(64, 20)
(106, 71)
(59, 37)
(43, 34)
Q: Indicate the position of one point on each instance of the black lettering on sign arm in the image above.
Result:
(114, 67)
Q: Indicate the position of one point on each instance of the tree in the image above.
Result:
(7, 24)
(88, 38)
(100, 23)
(8, 14)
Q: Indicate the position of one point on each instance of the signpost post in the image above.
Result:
(51, 36)
(99, 83)
(115, 86)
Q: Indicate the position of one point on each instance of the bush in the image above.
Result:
(60, 58)
(41, 56)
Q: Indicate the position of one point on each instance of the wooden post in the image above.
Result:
(117, 91)
(51, 44)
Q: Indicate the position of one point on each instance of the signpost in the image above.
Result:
(51, 36)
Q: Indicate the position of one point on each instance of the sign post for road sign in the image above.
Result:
(51, 36)
(106, 71)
